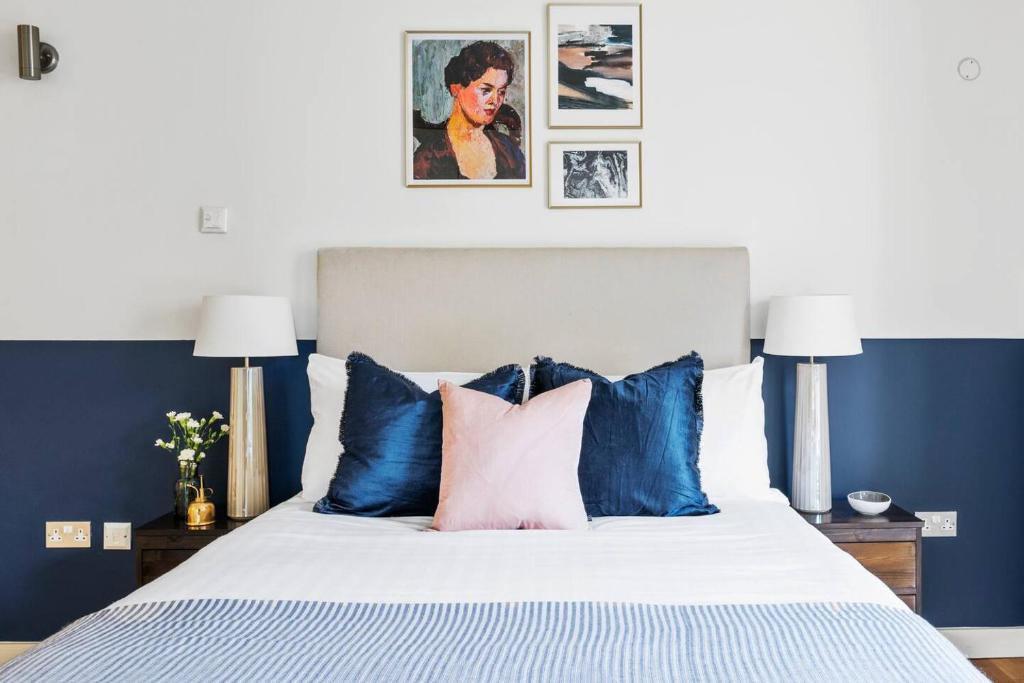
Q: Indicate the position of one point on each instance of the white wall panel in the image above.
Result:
(832, 137)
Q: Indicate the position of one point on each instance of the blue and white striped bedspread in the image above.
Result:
(252, 640)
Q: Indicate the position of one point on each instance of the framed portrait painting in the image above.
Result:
(595, 66)
(467, 114)
(594, 175)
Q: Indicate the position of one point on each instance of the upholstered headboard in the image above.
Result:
(613, 310)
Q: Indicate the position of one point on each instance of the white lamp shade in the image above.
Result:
(244, 326)
(822, 325)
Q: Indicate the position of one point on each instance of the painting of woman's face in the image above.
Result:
(482, 98)
(468, 116)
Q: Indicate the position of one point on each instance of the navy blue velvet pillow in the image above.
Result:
(391, 434)
(641, 438)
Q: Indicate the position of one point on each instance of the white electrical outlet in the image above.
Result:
(938, 523)
(117, 535)
(68, 534)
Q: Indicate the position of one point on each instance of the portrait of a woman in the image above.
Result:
(466, 121)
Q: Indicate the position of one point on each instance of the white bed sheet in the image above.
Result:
(753, 552)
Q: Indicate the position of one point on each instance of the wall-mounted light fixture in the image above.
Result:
(34, 58)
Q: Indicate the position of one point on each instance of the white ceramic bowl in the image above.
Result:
(869, 502)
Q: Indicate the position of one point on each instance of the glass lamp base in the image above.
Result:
(812, 470)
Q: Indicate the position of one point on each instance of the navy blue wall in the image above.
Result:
(77, 425)
(939, 424)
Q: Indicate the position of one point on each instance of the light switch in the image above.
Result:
(117, 535)
(213, 219)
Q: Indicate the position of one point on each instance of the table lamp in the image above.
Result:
(240, 327)
(822, 325)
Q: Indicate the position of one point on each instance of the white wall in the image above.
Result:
(832, 137)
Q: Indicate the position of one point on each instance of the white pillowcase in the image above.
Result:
(328, 381)
(733, 453)
(733, 449)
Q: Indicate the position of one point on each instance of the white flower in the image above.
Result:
(159, 443)
(202, 455)
(197, 439)
(187, 454)
(192, 424)
(172, 415)
(183, 417)
(224, 428)
(217, 416)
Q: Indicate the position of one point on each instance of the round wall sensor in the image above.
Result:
(968, 68)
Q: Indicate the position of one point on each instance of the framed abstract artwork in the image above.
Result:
(467, 115)
(594, 175)
(595, 66)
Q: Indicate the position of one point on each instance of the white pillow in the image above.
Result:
(733, 449)
(327, 384)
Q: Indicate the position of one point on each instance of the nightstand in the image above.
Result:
(166, 542)
(888, 545)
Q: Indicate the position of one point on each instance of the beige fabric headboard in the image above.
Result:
(613, 310)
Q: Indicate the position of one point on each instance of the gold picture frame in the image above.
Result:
(598, 172)
(410, 112)
(594, 118)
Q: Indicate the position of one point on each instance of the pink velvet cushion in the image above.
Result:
(506, 466)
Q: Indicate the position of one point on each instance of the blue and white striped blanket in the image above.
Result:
(254, 640)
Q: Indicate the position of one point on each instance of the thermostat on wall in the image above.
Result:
(968, 68)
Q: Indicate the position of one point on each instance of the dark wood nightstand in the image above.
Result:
(888, 545)
(166, 542)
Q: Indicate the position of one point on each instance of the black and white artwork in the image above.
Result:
(595, 70)
(594, 174)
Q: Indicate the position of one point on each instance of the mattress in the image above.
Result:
(751, 552)
(752, 593)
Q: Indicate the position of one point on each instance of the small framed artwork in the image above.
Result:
(594, 175)
(595, 69)
(467, 111)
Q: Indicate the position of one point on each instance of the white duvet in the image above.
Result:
(752, 552)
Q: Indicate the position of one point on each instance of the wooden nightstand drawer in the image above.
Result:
(154, 563)
(166, 542)
(893, 563)
(887, 545)
(870, 535)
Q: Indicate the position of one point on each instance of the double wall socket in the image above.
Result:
(68, 534)
(938, 523)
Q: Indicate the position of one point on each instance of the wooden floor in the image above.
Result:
(1002, 670)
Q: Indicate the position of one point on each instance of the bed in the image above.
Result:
(753, 593)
